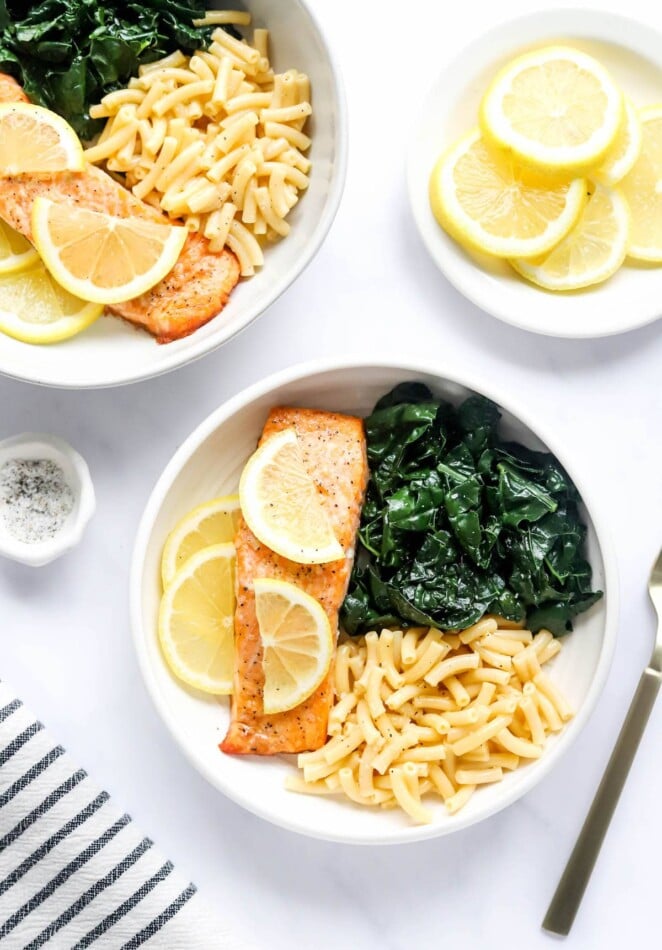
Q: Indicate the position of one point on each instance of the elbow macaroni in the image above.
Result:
(216, 139)
(432, 713)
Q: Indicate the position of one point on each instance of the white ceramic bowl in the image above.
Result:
(112, 352)
(632, 52)
(30, 445)
(209, 463)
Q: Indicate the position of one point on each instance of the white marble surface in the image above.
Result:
(65, 641)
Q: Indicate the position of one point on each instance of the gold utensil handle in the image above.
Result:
(567, 898)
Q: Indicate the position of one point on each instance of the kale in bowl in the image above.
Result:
(458, 523)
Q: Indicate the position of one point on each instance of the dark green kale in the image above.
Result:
(68, 54)
(458, 523)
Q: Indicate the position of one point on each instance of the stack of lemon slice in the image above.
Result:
(196, 619)
(34, 308)
(561, 177)
(281, 505)
(81, 259)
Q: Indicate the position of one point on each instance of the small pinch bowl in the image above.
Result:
(31, 445)
(209, 463)
(113, 353)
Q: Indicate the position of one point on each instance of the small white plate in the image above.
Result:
(632, 52)
(209, 463)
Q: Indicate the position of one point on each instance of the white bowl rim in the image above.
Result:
(302, 371)
(204, 346)
(602, 25)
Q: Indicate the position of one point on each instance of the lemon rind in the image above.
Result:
(224, 503)
(610, 175)
(18, 262)
(648, 255)
(15, 262)
(638, 252)
(58, 332)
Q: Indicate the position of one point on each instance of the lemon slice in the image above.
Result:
(556, 108)
(102, 258)
(34, 140)
(624, 152)
(16, 252)
(591, 252)
(282, 506)
(486, 201)
(297, 643)
(214, 522)
(642, 188)
(35, 309)
(196, 620)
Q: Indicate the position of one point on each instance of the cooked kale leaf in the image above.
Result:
(68, 54)
(458, 523)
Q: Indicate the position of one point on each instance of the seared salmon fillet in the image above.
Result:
(334, 453)
(194, 291)
(10, 91)
(92, 189)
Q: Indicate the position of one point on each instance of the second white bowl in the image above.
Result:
(208, 464)
(112, 352)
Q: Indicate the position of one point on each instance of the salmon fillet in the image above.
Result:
(194, 291)
(334, 453)
(10, 91)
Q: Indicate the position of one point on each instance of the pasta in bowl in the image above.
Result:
(209, 464)
(215, 139)
(426, 712)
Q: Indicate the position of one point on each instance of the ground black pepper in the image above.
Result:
(35, 499)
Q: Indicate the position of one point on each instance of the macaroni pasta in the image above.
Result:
(431, 713)
(216, 139)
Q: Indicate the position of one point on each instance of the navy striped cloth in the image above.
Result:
(74, 870)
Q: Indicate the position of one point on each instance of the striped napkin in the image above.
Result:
(74, 870)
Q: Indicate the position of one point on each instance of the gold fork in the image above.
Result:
(568, 895)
